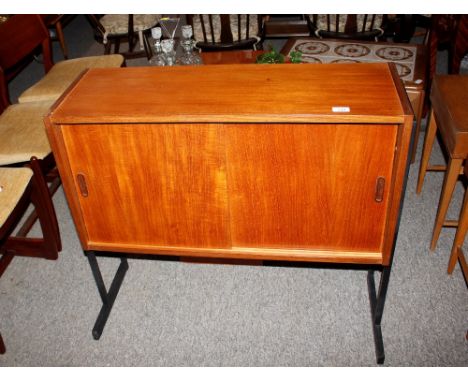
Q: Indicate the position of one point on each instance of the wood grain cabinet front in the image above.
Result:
(234, 161)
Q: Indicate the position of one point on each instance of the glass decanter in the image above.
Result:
(158, 57)
(189, 56)
(169, 52)
(169, 26)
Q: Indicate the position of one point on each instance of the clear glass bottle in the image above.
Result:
(189, 56)
(158, 56)
(169, 52)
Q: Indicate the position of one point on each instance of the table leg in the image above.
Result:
(459, 236)
(2, 345)
(427, 149)
(61, 38)
(418, 115)
(108, 298)
(377, 303)
(451, 175)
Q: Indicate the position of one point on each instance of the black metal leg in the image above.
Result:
(377, 303)
(108, 298)
(2, 345)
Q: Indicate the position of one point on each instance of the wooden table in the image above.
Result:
(231, 57)
(237, 162)
(410, 60)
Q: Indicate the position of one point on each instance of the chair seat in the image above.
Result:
(22, 132)
(118, 24)
(63, 74)
(13, 183)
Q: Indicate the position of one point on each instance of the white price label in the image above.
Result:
(341, 109)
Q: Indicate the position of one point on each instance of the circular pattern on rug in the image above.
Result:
(394, 53)
(311, 60)
(313, 47)
(403, 70)
(344, 61)
(352, 50)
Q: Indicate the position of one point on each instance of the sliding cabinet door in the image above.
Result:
(321, 187)
(150, 185)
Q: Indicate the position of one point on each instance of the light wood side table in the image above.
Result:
(449, 116)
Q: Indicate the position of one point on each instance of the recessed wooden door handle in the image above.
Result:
(379, 189)
(80, 178)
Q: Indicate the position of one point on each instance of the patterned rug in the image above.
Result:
(344, 52)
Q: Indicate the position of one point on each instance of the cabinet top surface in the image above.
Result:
(233, 93)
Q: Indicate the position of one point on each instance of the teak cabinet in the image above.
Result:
(280, 162)
(264, 162)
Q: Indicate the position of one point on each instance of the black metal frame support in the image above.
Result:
(377, 304)
(107, 297)
(377, 300)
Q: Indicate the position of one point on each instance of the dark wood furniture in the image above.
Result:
(226, 32)
(55, 24)
(26, 187)
(460, 44)
(285, 26)
(24, 36)
(414, 83)
(247, 163)
(449, 116)
(349, 27)
(21, 37)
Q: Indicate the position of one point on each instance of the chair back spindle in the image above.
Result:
(226, 32)
(353, 26)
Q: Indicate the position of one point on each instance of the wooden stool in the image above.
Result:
(449, 116)
(457, 252)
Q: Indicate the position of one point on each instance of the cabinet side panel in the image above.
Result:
(309, 186)
(54, 133)
(151, 184)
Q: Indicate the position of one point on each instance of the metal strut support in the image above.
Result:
(2, 345)
(107, 298)
(377, 303)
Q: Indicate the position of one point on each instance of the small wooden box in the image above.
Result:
(278, 162)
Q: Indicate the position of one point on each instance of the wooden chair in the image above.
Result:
(19, 187)
(117, 29)
(22, 136)
(22, 37)
(55, 24)
(227, 32)
(349, 27)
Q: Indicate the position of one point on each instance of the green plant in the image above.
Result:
(295, 57)
(270, 57)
